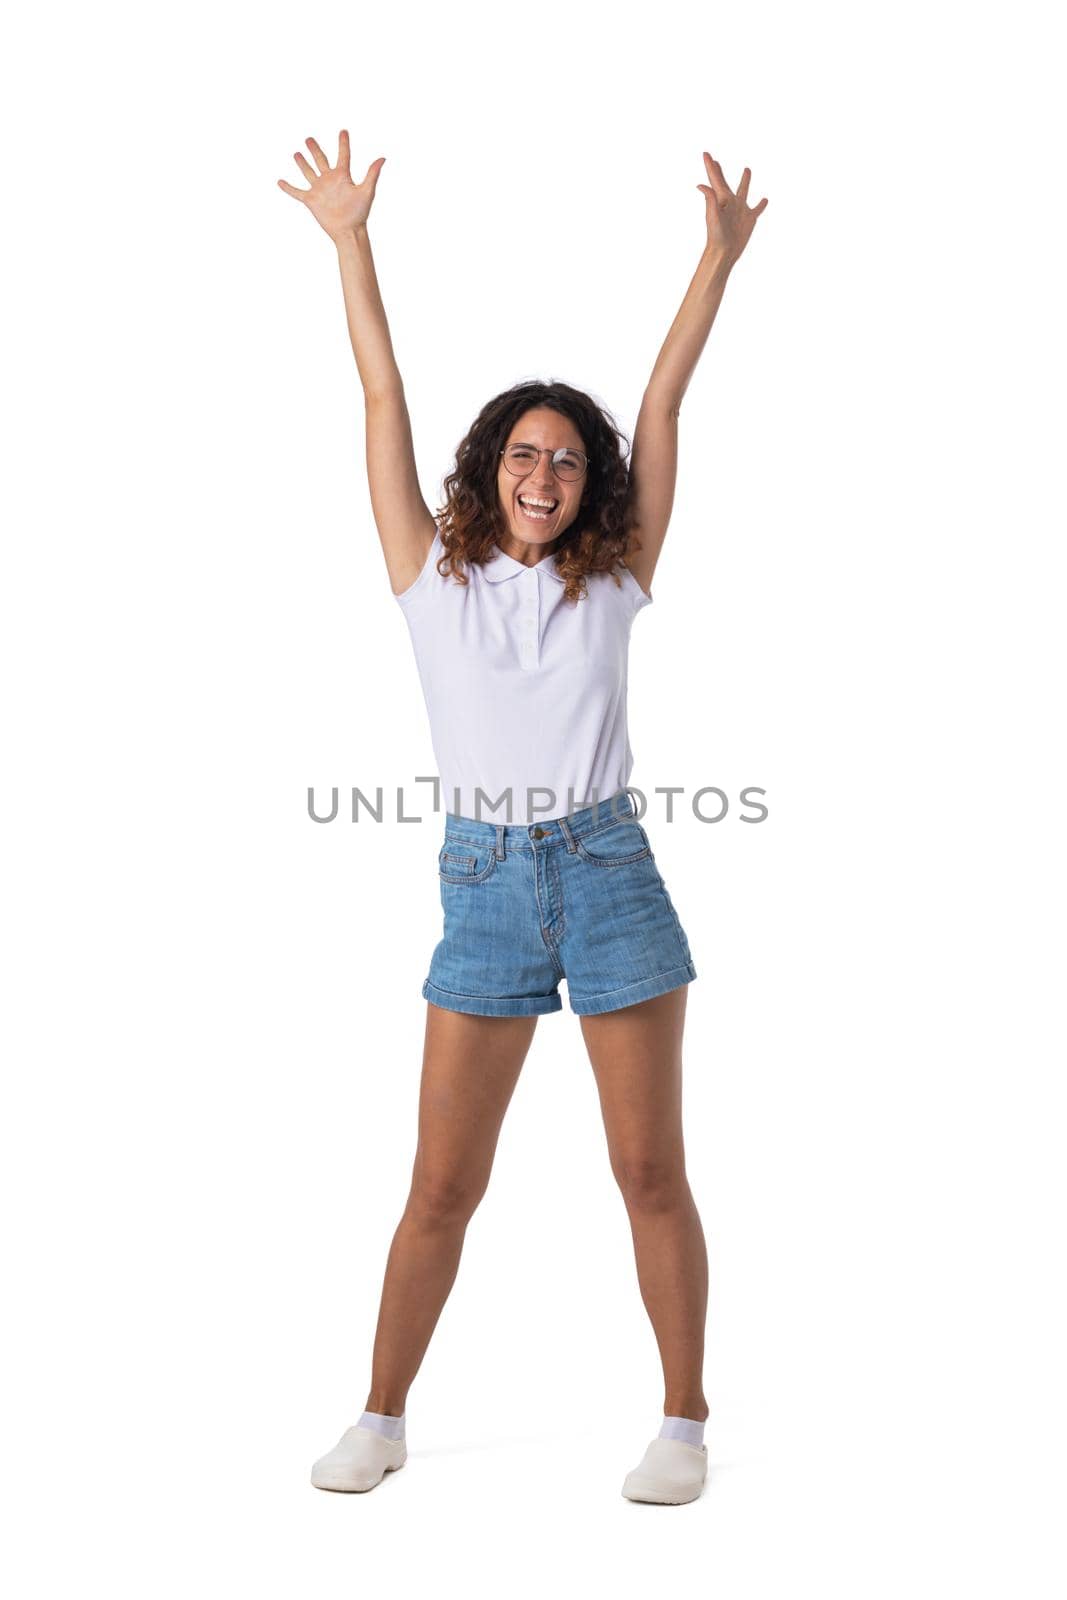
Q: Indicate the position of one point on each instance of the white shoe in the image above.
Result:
(670, 1473)
(359, 1460)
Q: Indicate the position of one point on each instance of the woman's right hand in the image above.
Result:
(337, 204)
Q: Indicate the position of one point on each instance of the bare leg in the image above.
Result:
(636, 1054)
(469, 1071)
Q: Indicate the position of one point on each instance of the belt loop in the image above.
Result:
(499, 841)
(567, 834)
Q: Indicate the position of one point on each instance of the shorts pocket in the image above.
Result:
(463, 863)
(615, 845)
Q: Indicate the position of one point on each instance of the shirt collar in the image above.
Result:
(503, 566)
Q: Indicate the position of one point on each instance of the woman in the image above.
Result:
(519, 606)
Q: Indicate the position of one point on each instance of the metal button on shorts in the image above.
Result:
(577, 897)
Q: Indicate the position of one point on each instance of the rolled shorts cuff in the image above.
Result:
(483, 1005)
(646, 989)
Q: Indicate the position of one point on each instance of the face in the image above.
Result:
(548, 431)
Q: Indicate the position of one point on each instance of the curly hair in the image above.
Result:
(471, 519)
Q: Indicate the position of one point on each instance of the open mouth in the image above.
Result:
(537, 508)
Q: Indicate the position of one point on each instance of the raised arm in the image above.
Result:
(404, 520)
(654, 457)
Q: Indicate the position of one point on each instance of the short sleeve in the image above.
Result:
(638, 598)
(406, 596)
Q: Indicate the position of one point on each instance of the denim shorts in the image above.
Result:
(577, 897)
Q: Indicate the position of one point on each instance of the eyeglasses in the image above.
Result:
(521, 459)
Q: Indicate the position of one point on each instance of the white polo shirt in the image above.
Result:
(526, 691)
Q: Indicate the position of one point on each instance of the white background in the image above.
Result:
(215, 1024)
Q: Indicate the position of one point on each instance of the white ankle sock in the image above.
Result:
(683, 1428)
(388, 1427)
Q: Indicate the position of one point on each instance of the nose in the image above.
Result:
(542, 476)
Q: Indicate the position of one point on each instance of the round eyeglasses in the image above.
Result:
(567, 464)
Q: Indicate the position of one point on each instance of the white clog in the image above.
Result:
(670, 1473)
(358, 1461)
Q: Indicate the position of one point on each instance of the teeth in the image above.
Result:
(533, 501)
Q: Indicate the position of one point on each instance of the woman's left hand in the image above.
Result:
(730, 218)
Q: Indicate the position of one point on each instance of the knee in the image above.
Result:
(440, 1198)
(652, 1183)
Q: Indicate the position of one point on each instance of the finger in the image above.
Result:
(305, 165)
(722, 177)
(742, 187)
(373, 172)
(320, 159)
(297, 194)
(344, 153)
(716, 179)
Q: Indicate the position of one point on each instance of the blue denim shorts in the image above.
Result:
(577, 897)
